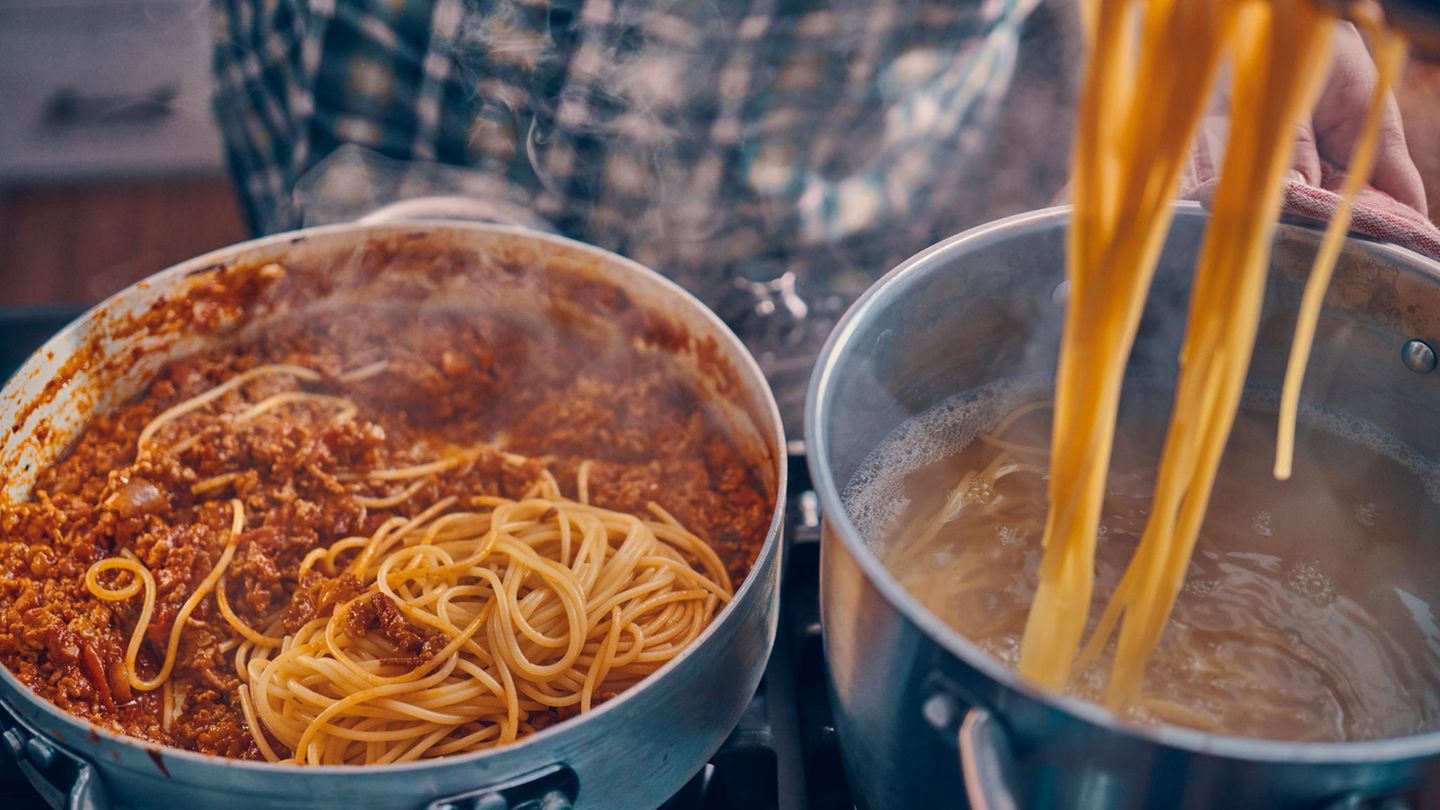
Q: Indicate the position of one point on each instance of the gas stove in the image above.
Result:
(783, 754)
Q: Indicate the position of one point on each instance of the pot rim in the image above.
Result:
(895, 284)
(749, 370)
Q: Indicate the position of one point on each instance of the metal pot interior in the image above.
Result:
(112, 352)
(987, 306)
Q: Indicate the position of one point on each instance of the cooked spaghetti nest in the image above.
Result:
(529, 610)
(534, 604)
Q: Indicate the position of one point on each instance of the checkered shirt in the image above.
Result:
(715, 140)
(727, 124)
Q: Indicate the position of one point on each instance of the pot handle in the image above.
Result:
(985, 761)
(457, 207)
(550, 788)
(65, 781)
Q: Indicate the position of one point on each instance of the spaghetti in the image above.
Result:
(1145, 90)
(1273, 636)
(519, 606)
(461, 621)
(142, 579)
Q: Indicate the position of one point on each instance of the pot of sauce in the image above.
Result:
(632, 751)
(925, 715)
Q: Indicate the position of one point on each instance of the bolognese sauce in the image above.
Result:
(421, 380)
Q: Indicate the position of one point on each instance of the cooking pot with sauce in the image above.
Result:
(924, 715)
(633, 751)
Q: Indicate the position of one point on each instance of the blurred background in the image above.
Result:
(111, 167)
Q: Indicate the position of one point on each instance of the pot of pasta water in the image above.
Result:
(632, 751)
(933, 355)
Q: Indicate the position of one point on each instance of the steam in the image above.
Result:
(759, 176)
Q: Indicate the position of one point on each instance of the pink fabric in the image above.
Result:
(1376, 215)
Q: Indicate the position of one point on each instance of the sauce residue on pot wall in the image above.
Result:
(430, 267)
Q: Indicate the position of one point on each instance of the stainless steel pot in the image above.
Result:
(924, 716)
(634, 751)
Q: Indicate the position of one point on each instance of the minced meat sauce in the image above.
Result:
(448, 381)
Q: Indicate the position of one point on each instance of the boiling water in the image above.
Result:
(1306, 613)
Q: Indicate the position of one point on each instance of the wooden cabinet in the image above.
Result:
(105, 88)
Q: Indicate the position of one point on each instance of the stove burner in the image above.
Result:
(784, 754)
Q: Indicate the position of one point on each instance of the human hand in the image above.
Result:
(1326, 140)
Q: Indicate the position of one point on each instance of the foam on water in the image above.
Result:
(875, 495)
(1364, 433)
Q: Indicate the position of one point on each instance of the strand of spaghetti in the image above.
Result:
(390, 501)
(470, 742)
(1062, 601)
(510, 726)
(328, 555)
(1013, 447)
(998, 432)
(321, 721)
(236, 623)
(582, 481)
(247, 708)
(137, 580)
(419, 470)
(173, 644)
(180, 409)
(381, 541)
(1126, 167)
(565, 520)
(673, 532)
(538, 615)
(637, 646)
(347, 410)
(1225, 310)
(364, 372)
(213, 483)
(596, 674)
(502, 624)
(417, 675)
(1389, 54)
(141, 577)
(685, 572)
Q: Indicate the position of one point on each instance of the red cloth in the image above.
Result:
(1376, 214)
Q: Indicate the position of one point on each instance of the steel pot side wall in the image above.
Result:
(983, 307)
(631, 752)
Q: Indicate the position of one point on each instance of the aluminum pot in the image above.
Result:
(926, 717)
(633, 751)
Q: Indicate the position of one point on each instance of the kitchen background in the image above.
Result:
(111, 167)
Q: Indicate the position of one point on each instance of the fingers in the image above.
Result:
(1395, 172)
(1340, 117)
(1306, 159)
